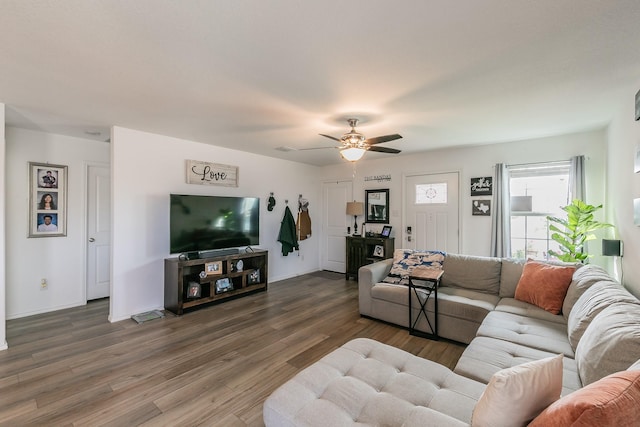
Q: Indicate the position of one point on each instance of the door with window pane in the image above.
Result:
(431, 211)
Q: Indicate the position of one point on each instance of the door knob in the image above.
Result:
(91, 239)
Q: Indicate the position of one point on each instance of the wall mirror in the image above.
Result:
(377, 204)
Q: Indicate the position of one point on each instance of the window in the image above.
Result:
(536, 191)
(431, 193)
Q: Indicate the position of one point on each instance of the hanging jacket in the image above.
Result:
(304, 220)
(287, 234)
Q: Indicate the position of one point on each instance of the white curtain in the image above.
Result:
(501, 219)
(576, 179)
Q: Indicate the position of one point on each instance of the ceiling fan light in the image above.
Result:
(352, 154)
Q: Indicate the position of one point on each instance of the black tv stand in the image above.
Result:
(221, 278)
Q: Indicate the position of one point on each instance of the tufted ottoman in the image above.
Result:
(365, 382)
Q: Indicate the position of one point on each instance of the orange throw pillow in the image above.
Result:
(544, 285)
(611, 401)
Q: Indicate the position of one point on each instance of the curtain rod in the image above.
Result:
(539, 163)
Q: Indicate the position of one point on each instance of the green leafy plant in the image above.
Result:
(577, 229)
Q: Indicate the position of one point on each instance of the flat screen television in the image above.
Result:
(202, 223)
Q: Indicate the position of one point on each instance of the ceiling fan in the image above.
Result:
(354, 144)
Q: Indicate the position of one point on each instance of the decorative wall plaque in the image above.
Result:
(205, 173)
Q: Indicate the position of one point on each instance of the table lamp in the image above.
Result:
(355, 208)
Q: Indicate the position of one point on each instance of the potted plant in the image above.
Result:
(578, 229)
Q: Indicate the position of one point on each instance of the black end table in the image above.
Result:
(424, 281)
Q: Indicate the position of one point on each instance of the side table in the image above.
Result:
(424, 282)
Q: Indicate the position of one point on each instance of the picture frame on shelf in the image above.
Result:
(47, 200)
(213, 268)
(378, 251)
(223, 285)
(194, 290)
(386, 231)
(254, 277)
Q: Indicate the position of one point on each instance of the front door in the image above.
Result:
(431, 212)
(335, 222)
(98, 232)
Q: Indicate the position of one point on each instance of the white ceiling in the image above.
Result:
(255, 75)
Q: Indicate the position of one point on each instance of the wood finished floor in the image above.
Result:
(211, 367)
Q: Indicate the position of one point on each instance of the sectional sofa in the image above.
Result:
(571, 350)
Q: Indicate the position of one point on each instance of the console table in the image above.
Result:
(366, 250)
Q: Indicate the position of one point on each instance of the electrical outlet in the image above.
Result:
(43, 284)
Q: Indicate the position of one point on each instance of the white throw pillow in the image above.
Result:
(515, 396)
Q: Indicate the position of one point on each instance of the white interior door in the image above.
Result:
(335, 223)
(432, 212)
(98, 232)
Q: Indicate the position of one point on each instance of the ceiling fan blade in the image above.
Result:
(380, 139)
(330, 137)
(385, 150)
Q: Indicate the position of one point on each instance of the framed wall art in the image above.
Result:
(377, 206)
(482, 186)
(481, 207)
(47, 200)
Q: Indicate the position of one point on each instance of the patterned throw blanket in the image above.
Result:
(406, 260)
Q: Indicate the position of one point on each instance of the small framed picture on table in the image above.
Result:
(386, 231)
(378, 251)
(223, 285)
(213, 268)
(194, 290)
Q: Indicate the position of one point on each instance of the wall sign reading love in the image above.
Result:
(205, 173)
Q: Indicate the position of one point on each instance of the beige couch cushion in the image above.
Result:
(583, 279)
(535, 333)
(595, 299)
(521, 308)
(485, 356)
(611, 343)
(509, 276)
(481, 274)
(367, 383)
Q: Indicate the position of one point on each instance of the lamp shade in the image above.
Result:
(352, 154)
(355, 208)
(611, 247)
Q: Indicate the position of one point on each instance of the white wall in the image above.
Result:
(58, 259)
(476, 161)
(3, 273)
(146, 168)
(623, 185)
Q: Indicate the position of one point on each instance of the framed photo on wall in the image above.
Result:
(47, 200)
